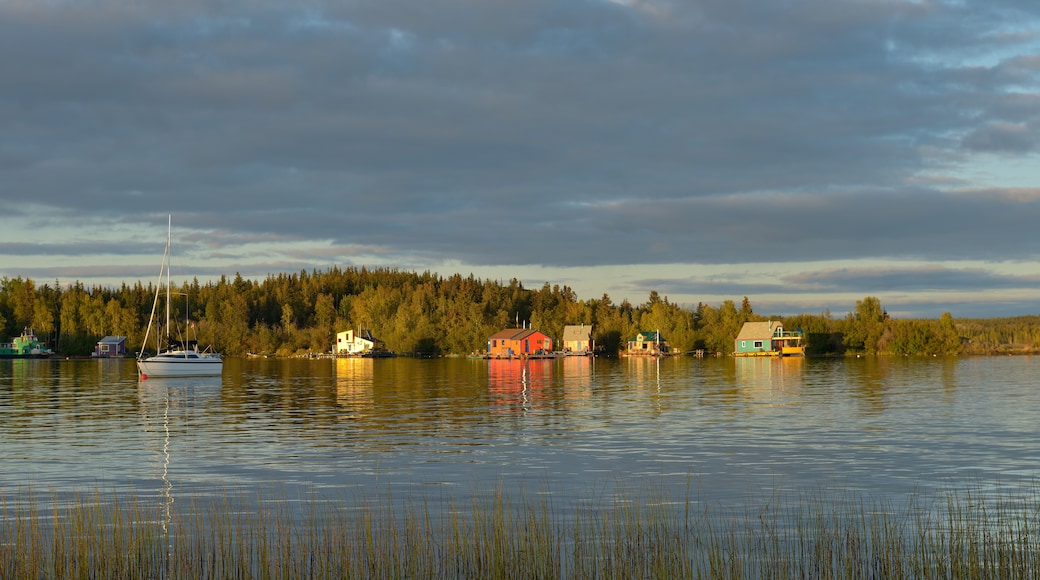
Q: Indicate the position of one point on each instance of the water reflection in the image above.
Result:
(578, 375)
(152, 406)
(172, 407)
(644, 371)
(355, 382)
(302, 427)
(25, 372)
(516, 385)
(772, 381)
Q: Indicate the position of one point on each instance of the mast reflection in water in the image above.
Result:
(394, 429)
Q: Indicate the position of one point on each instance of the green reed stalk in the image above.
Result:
(622, 533)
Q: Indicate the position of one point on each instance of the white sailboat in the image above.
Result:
(170, 360)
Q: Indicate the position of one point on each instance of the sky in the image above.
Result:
(803, 153)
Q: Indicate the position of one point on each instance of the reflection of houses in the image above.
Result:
(360, 343)
(110, 346)
(354, 381)
(519, 342)
(516, 385)
(513, 376)
(578, 339)
(644, 372)
(762, 379)
(577, 376)
(767, 339)
(648, 344)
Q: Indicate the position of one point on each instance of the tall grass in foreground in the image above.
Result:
(961, 535)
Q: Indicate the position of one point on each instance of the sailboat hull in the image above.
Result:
(181, 364)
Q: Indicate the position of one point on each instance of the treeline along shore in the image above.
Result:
(428, 314)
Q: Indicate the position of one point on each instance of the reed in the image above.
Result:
(621, 533)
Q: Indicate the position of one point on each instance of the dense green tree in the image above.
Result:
(413, 312)
(19, 300)
(233, 329)
(820, 333)
(865, 327)
(288, 318)
(745, 309)
(906, 337)
(949, 338)
(673, 322)
(43, 318)
(325, 313)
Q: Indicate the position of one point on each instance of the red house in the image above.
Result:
(519, 342)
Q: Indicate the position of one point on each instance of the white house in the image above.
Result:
(361, 342)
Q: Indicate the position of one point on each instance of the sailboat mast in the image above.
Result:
(155, 303)
(169, 231)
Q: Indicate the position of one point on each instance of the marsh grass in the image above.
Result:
(623, 534)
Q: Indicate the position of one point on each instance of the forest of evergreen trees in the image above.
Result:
(424, 313)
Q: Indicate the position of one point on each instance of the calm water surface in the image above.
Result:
(573, 428)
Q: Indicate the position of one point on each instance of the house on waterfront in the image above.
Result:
(110, 346)
(519, 342)
(578, 339)
(767, 339)
(360, 343)
(648, 344)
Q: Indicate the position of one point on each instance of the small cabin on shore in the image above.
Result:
(350, 343)
(110, 347)
(578, 339)
(519, 343)
(767, 339)
(648, 344)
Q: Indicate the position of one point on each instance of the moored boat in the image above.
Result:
(181, 363)
(177, 360)
(25, 346)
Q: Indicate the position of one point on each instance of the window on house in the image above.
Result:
(758, 344)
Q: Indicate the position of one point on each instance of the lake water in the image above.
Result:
(575, 428)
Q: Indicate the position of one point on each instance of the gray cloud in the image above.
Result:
(851, 280)
(575, 133)
(1002, 138)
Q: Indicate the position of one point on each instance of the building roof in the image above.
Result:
(364, 334)
(759, 330)
(112, 340)
(514, 334)
(649, 336)
(582, 332)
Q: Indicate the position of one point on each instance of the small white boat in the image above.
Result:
(180, 361)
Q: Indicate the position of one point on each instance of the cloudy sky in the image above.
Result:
(804, 153)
